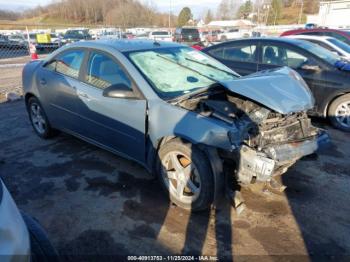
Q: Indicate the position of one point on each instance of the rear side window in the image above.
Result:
(240, 53)
(68, 63)
(103, 71)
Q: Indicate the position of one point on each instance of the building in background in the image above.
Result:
(334, 14)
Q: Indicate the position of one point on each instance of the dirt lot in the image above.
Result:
(93, 202)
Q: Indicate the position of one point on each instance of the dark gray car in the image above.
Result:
(176, 111)
(327, 75)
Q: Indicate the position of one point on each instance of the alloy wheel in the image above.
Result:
(181, 177)
(38, 118)
(342, 114)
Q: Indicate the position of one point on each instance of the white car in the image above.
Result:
(332, 44)
(22, 239)
(161, 36)
(233, 34)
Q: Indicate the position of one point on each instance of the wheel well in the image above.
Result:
(27, 96)
(215, 163)
(325, 112)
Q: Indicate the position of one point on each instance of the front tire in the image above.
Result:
(339, 113)
(39, 119)
(186, 175)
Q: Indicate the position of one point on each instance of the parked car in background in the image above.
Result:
(231, 34)
(44, 42)
(176, 111)
(75, 35)
(186, 35)
(160, 36)
(310, 26)
(22, 239)
(13, 42)
(332, 44)
(325, 73)
(338, 34)
(18, 40)
(4, 42)
(110, 35)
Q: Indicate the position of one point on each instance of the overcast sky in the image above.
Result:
(198, 7)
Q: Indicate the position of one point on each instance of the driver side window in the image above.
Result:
(103, 72)
(282, 56)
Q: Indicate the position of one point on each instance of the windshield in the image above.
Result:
(320, 52)
(160, 33)
(75, 34)
(189, 31)
(179, 70)
(340, 44)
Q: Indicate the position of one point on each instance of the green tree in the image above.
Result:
(184, 16)
(245, 9)
(208, 17)
(274, 12)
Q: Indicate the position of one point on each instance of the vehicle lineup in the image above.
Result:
(176, 111)
(332, 44)
(326, 73)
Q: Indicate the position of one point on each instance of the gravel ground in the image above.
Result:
(10, 81)
(93, 202)
(11, 75)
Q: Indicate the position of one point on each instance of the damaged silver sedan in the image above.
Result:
(187, 118)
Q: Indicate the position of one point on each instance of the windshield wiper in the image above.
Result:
(189, 68)
(212, 66)
(193, 94)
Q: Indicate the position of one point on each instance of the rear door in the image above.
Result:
(116, 123)
(57, 81)
(240, 56)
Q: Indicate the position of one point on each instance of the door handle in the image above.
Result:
(43, 81)
(83, 95)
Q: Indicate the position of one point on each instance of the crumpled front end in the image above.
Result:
(266, 139)
(276, 144)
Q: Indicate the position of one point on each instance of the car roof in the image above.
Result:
(265, 39)
(126, 45)
(303, 30)
(315, 37)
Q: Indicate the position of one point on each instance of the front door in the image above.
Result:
(278, 54)
(116, 123)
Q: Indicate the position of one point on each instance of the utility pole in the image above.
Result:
(169, 15)
(301, 11)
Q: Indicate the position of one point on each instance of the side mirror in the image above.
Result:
(118, 91)
(310, 67)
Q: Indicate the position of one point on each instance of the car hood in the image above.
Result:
(282, 90)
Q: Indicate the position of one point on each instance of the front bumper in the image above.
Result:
(275, 160)
(14, 236)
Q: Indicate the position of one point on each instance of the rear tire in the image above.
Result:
(185, 174)
(339, 113)
(39, 120)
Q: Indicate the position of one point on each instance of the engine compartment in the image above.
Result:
(258, 126)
